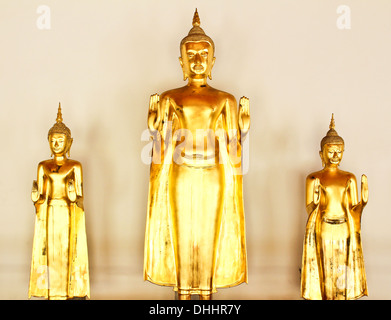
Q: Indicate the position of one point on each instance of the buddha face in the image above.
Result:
(331, 154)
(197, 59)
(59, 143)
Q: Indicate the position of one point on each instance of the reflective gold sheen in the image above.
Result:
(333, 263)
(195, 231)
(59, 266)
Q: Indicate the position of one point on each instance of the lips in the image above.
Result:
(198, 67)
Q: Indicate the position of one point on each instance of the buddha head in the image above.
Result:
(331, 146)
(59, 136)
(197, 52)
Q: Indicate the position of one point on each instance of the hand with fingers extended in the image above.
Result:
(154, 113)
(244, 115)
(34, 191)
(317, 189)
(364, 190)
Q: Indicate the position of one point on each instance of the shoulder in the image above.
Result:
(349, 176)
(171, 94)
(314, 175)
(45, 163)
(223, 95)
(73, 164)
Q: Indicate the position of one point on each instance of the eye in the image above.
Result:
(190, 55)
(204, 54)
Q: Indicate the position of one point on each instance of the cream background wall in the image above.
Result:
(103, 59)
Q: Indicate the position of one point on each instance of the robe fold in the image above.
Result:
(77, 282)
(159, 250)
(311, 272)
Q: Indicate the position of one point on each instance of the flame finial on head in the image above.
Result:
(332, 136)
(59, 114)
(332, 122)
(196, 33)
(59, 126)
(196, 19)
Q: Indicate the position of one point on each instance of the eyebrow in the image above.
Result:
(193, 50)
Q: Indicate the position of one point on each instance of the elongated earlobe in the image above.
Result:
(185, 75)
(69, 148)
(210, 73)
(321, 158)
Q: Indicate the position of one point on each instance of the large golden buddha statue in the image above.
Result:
(59, 266)
(195, 233)
(333, 264)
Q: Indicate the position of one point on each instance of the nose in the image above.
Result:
(197, 58)
(56, 143)
(335, 155)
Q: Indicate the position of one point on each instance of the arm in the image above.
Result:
(355, 206)
(37, 192)
(154, 114)
(313, 193)
(229, 134)
(75, 187)
(160, 114)
(244, 116)
(166, 117)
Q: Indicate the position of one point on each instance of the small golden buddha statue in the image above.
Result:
(195, 233)
(333, 264)
(59, 266)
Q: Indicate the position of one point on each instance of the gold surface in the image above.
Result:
(333, 263)
(195, 233)
(59, 266)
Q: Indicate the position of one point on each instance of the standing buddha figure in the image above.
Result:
(333, 264)
(59, 266)
(195, 232)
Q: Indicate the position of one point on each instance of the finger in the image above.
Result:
(364, 186)
(242, 101)
(245, 104)
(152, 102)
(364, 179)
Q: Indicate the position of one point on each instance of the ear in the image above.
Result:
(321, 157)
(185, 75)
(69, 146)
(211, 66)
(51, 153)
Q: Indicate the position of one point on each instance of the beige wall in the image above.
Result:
(103, 59)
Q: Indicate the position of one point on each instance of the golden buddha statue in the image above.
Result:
(195, 232)
(59, 266)
(333, 264)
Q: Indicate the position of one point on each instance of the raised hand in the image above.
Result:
(364, 189)
(34, 191)
(244, 114)
(316, 191)
(71, 190)
(153, 113)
